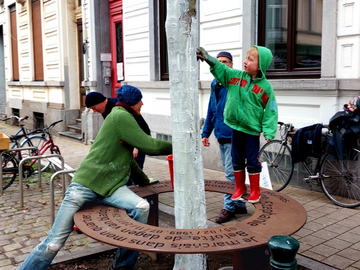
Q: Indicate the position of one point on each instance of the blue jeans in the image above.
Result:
(76, 195)
(225, 152)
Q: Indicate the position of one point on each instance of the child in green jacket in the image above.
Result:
(250, 109)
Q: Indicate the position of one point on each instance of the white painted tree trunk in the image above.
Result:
(189, 191)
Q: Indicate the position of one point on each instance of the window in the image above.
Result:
(15, 112)
(37, 40)
(292, 30)
(38, 120)
(164, 67)
(14, 43)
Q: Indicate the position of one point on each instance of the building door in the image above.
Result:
(116, 39)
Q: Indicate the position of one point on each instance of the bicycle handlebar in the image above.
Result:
(16, 117)
(46, 129)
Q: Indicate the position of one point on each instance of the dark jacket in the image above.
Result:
(215, 115)
(109, 105)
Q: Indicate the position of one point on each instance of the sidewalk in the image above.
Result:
(329, 240)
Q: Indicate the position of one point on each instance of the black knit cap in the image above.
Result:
(225, 54)
(129, 94)
(94, 98)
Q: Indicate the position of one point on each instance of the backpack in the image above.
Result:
(345, 127)
(306, 142)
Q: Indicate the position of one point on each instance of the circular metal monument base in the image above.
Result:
(275, 214)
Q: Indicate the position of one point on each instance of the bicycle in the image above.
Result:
(12, 159)
(339, 179)
(22, 133)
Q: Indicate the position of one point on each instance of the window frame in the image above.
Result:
(291, 72)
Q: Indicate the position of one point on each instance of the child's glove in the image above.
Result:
(204, 56)
(153, 181)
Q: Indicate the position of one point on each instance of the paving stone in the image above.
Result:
(5, 237)
(20, 233)
(27, 250)
(12, 254)
(326, 221)
(20, 258)
(314, 256)
(12, 247)
(338, 261)
(315, 213)
(350, 253)
(314, 226)
(32, 242)
(325, 234)
(5, 262)
(324, 250)
(41, 229)
(337, 228)
(350, 237)
(356, 230)
(346, 223)
(356, 265)
(312, 240)
(338, 243)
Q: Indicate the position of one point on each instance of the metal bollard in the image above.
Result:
(283, 250)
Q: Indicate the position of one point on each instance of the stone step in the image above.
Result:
(75, 128)
(71, 135)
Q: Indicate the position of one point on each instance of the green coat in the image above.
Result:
(110, 162)
(250, 106)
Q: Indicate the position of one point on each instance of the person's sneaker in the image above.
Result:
(240, 210)
(225, 216)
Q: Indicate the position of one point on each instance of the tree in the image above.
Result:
(189, 191)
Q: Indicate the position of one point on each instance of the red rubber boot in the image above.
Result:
(254, 188)
(240, 185)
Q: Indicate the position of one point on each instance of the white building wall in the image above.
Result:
(348, 56)
(57, 96)
(220, 30)
(51, 40)
(136, 40)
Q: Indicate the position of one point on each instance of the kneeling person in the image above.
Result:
(103, 175)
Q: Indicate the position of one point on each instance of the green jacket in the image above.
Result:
(250, 106)
(110, 163)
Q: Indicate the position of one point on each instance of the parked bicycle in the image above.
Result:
(339, 179)
(42, 140)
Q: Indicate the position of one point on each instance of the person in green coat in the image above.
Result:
(102, 176)
(250, 110)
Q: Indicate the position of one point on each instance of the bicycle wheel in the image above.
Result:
(279, 162)
(37, 141)
(340, 179)
(9, 170)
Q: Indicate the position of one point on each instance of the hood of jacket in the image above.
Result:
(265, 58)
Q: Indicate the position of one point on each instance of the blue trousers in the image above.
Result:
(245, 152)
(76, 195)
